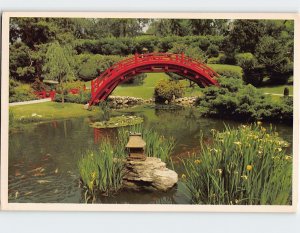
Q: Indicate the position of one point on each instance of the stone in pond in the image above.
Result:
(150, 174)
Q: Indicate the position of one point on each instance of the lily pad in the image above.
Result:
(119, 121)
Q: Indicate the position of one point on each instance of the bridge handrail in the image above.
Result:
(152, 59)
(172, 57)
(180, 58)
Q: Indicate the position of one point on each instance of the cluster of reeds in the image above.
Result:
(156, 144)
(246, 166)
(106, 110)
(101, 171)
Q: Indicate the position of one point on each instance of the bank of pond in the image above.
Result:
(216, 161)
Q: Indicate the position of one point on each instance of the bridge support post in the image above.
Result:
(182, 57)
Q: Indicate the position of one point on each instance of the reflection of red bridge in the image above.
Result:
(103, 85)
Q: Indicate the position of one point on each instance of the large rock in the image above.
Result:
(150, 174)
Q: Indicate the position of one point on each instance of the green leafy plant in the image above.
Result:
(101, 171)
(19, 92)
(243, 103)
(245, 166)
(166, 89)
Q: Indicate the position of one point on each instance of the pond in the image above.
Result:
(43, 157)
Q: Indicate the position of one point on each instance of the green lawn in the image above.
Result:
(277, 89)
(49, 111)
(146, 90)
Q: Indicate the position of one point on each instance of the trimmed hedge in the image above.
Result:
(89, 66)
(124, 46)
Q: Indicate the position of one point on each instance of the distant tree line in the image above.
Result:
(263, 48)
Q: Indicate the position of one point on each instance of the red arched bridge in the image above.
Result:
(102, 86)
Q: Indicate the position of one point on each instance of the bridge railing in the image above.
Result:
(144, 58)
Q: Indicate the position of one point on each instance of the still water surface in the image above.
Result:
(43, 157)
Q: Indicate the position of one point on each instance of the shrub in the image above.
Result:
(246, 60)
(166, 43)
(166, 89)
(67, 86)
(82, 98)
(243, 102)
(286, 91)
(254, 76)
(145, 42)
(254, 72)
(213, 51)
(220, 59)
(90, 66)
(244, 166)
(19, 92)
(192, 52)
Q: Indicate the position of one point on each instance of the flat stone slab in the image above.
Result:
(150, 174)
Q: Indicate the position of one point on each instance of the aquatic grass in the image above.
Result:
(156, 144)
(246, 166)
(118, 121)
(101, 170)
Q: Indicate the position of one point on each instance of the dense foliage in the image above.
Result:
(20, 92)
(245, 166)
(166, 90)
(234, 100)
(66, 49)
(271, 44)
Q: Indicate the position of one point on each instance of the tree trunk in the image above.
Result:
(62, 91)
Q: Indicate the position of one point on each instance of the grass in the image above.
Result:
(146, 90)
(49, 111)
(277, 89)
(244, 166)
